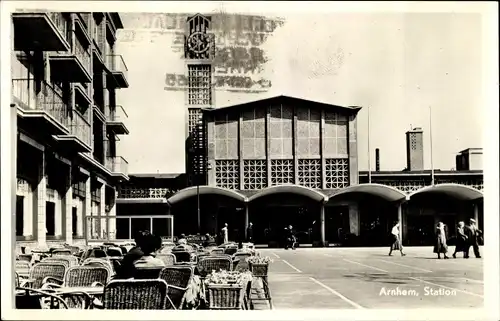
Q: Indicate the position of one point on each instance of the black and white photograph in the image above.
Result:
(332, 157)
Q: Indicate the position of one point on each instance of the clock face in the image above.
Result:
(198, 42)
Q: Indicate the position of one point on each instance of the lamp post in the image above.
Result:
(209, 167)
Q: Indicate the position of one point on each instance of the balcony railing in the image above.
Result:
(83, 55)
(117, 64)
(60, 22)
(38, 95)
(80, 128)
(86, 19)
(116, 114)
(117, 164)
(145, 192)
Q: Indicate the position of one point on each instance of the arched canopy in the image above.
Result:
(188, 192)
(458, 191)
(292, 189)
(385, 192)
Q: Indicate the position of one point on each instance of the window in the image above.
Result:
(280, 132)
(74, 221)
(227, 174)
(337, 173)
(310, 173)
(19, 215)
(253, 133)
(194, 116)
(226, 137)
(254, 174)
(50, 218)
(335, 139)
(308, 133)
(199, 82)
(282, 172)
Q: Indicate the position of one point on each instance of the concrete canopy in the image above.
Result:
(188, 192)
(458, 191)
(385, 192)
(292, 189)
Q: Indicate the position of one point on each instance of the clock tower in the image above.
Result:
(199, 52)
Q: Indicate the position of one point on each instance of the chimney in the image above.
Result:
(377, 160)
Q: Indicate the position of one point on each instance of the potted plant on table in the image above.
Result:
(259, 265)
(225, 289)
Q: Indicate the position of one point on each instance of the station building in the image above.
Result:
(286, 160)
(65, 126)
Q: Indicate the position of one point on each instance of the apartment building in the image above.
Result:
(65, 77)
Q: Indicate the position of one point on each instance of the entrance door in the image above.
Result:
(19, 215)
(336, 223)
(50, 218)
(421, 229)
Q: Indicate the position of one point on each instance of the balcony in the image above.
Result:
(78, 139)
(46, 31)
(115, 120)
(72, 66)
(118, 166)
(40, 105)
(117, 77)
(83, 94)
(82, 31)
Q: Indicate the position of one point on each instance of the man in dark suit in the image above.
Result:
(250, 233)
(473, 235)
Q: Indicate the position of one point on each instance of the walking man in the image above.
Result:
(473, 234)
(396, 240)
(225, 234)
(250, 233)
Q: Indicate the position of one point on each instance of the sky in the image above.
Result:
(394, 65)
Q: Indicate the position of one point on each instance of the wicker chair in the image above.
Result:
(230, 250)
(217, 251)
(167, 258)
(64, 251)
(136, 295)
(86, 276)
(68, 260)
(16, 279)
(45, 272)
(99, 262)
(182, 256)
(207, 264)
(22, 268)
(177, 278)
(239, 261)
(114, 252)
(223, 297)
(147, 273)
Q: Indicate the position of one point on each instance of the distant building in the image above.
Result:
(415, 149)
(470, 159)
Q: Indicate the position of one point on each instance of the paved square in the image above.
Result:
(367, 278)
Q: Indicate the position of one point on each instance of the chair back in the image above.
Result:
(208, 264)
(178, 276)
(147, 273)
(135, 295)
(99, 262)
(114, 252)
(42, 270)
(16, 279)
(64, 251)
(22, 268)
(182, 256)
(167, 258)
(86, 276)
(69, 260)
(230, 250)
(217, 251)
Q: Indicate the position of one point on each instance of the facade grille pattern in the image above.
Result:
(310, 173)
(474, 183)
(254, 174)
(194, 117)
(337, 173)
(408, 186)
(413, 141)
(199, 85)
(282, 172)
(227, 174)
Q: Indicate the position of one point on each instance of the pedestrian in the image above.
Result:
(440, 246)
(461, 240)
(473, 235)
(396, 240)
(225, 234)
(182, 240)
(250, 233)
(290, 238)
